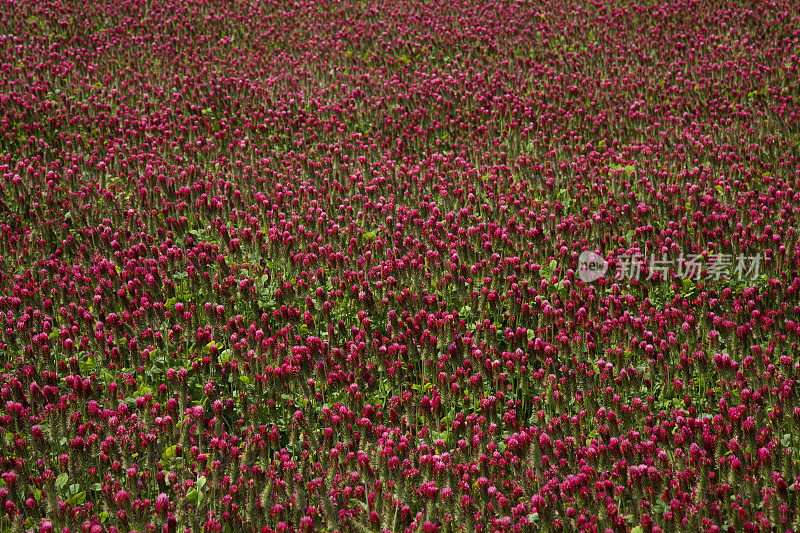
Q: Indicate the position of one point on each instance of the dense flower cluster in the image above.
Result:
(314, 266)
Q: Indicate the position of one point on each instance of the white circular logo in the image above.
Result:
(591, 266)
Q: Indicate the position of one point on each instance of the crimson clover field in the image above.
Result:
(402, 266)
